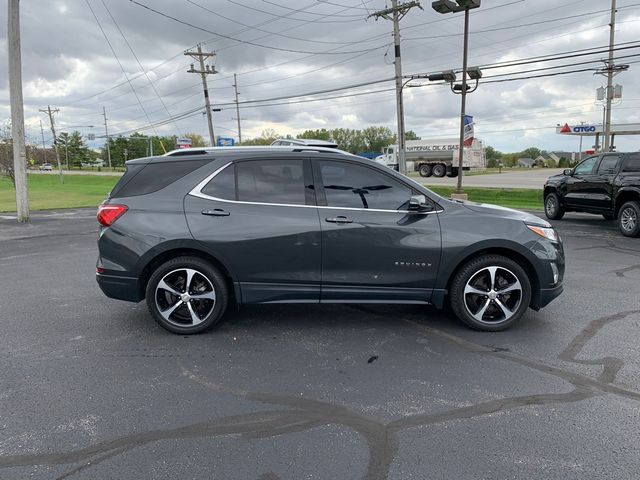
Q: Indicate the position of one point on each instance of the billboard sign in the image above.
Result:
(184, 142)
(225, 142)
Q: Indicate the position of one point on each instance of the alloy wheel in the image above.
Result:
(492, 295)
(185, 297)
(551, 205)
(628, 219)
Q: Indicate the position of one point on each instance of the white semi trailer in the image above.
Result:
(438, 157)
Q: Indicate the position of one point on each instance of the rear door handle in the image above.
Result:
(339, 219)
(218, 212)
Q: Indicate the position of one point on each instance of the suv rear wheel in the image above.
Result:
(187, 295)
(629, 219)
(490, 293)
(553, 209)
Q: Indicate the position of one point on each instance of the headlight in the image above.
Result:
(548, 233)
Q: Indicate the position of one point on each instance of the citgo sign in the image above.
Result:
(578, 129)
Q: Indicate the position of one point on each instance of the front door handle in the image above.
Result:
(339, 219)
(218, 212)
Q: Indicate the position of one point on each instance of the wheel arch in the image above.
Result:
(626, 195)
(166, 251)
(509, 251)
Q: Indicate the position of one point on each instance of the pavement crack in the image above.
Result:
(299, 413)
(610, 365)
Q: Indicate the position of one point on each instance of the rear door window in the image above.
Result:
(271, 181)
(608, 163)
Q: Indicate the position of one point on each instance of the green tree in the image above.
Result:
(411, 135)
(531, 152)
(376, 138)
(319, 134)
(72, 149)
(267, 137)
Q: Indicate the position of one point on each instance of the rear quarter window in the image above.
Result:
(151, 177)
(632, 164)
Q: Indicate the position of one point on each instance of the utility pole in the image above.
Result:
(106, 132)
(200, 56)
(17, 111)
(44, 147)
(610, 73)
(55, 140)
(580, 154)
(396, 13)
(235, 85)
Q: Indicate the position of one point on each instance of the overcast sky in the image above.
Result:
(284, 47)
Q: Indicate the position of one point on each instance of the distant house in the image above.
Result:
(526, 163)
(544, 160)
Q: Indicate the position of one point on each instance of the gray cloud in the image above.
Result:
(68, 64)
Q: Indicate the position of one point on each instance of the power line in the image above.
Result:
(153, 87)
(247, 42)
(296, 10)
(118, 60)
(253, 27)
(255, 9)
(551, 20)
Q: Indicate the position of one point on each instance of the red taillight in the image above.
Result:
(107, 214)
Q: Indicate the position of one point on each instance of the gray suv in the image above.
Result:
(193, 234)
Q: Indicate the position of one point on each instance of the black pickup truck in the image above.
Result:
(606, 184)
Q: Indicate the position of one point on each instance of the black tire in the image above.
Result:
(553, 208)
(485, 312)
(439, 170)
(453, 173)
(609, 216)
(425, 170)
(207, 299)
(629, 219)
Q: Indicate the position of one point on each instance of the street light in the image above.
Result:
(448, 6)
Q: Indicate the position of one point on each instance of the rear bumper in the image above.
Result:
(546, 296)
(120, 288)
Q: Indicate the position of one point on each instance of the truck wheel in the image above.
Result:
(629, 219)
(490, 293)
(425, 170)
(553, 209)
(439, 170)
(454, 172)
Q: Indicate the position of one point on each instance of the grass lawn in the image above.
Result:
(46, 191)
(518, 198)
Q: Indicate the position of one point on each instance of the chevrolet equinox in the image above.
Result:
(193, 233)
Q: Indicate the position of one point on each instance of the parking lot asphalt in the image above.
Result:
(91, 388)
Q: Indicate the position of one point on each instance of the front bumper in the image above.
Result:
(546, 295)
(120, 288)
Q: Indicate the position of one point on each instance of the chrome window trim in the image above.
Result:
(197, 192)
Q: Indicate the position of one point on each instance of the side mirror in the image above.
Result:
(418, 203)
(567, 171)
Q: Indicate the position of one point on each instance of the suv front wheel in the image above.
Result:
(187, 295)
(490, 293)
